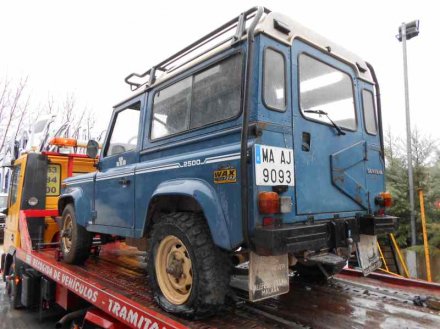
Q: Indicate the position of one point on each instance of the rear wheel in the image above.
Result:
(189, 275)
(76, 241)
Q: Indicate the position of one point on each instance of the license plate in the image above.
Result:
(273, 166)
(368, 254)
(268, 276)
(53, 180)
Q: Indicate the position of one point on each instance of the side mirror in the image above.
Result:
(5, 211)
(92, 148)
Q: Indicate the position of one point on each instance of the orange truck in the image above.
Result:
(36, 183)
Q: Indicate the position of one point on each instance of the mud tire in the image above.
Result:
(80, 238)
(211, 267)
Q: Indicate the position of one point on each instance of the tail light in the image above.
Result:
(384, 199)
(268, 202)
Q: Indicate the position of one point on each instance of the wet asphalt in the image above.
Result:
(20, 319)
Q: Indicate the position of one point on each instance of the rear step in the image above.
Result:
(327, 259)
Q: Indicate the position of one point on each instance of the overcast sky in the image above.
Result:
(88, 47)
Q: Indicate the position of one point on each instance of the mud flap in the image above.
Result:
(368, 254)
(268, 276)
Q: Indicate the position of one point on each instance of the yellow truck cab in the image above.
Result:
(36, 182)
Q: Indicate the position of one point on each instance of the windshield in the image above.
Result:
(3, 201)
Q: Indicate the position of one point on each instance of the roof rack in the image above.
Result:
(197, 48)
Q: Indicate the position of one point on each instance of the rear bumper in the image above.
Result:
(276, 240)
(378, 225)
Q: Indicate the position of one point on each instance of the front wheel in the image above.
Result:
(189, 275)
(76, 241)
(13, 288)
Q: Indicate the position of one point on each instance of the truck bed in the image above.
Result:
(116, 283)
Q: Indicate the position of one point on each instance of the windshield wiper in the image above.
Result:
(320, 112)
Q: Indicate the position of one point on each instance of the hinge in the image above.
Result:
(241, 26)
(366, 151)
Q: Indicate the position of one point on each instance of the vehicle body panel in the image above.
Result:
(330, 179)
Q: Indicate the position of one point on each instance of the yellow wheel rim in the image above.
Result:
(66, 237)
(173, 270)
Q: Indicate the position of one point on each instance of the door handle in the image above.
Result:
(305, 142)
(124, 182)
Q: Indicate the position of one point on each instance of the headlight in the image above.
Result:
(33, 201)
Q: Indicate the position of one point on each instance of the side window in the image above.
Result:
(369, 112)
(124, 135)
(325, 88)
(209, 96)
(274, 89)
(14, 184)
(171, 109)
(216, 93)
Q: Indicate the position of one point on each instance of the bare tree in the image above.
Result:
(90, 123)
(77, 123)
(68, 111)
(50, 109)
(11, 108)
(23, 113)
(16, 112)
(4, 95)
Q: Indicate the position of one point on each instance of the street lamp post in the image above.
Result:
(406, 32)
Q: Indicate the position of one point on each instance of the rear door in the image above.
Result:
(329, 164)
(375, 165)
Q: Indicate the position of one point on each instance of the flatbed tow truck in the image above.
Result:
(111, 288)
(122, 298)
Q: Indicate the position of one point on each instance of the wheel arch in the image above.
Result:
(190, 195)
(75, 196)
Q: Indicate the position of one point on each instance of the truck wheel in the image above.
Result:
(76, 241)
(13, 289)
(189, 275)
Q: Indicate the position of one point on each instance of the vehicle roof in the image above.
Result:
(266, 26)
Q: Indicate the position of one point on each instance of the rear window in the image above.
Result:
(274, 91)
(216, 93)
(209, 96)
(14, 184)
(369, 112)
(325, 88)
(171, 109)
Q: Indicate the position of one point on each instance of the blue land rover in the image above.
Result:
(260, 142)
